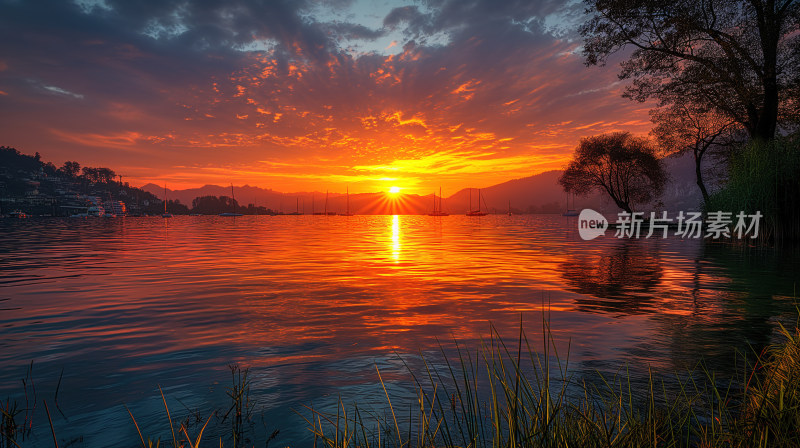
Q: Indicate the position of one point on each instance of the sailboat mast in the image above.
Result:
(440, 199)
(348, 200)
(233, 198)
(434, 202)
(165, 198)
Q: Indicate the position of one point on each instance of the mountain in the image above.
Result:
(539, 193)
(304, 202)
(244, 195)
(542, 193)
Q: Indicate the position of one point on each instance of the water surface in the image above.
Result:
(312, 304)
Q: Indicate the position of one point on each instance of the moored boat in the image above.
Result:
(437, 211)
(233, 199)
(478, 211)
(165, 214)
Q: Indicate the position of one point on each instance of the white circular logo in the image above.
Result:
(591, 224)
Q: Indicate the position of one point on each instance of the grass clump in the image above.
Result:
(763, 176)
(9, 427)
(523, 394)
(238, 416)
(515, 396)
(178, 441)
(771, 415)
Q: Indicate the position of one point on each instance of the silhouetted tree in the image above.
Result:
(89, 174)
(687, 126)
(98, 175)
(175, 207)
(12, 159)
(252, 209)
(106, 175)
(623, 166)
(213, 204)
(740, 58)
(71, 168)
(49, 168)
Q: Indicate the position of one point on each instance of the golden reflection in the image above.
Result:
(364, 303)
(396, 238)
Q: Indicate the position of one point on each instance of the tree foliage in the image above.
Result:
(212, 205)
(71, 168)
(624, 167)
(739, 58)
(99, 175)
(687, 126)
(11, 159)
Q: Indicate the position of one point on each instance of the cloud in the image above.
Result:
(344, 30)
(486, 89)
(415, 21)
(60, 91)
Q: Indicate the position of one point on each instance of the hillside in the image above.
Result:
(540, 193)
(39, 188)
(534, 194)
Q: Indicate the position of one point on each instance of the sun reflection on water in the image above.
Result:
(396, 238)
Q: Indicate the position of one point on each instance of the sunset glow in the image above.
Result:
(305, 215)
(318, 96)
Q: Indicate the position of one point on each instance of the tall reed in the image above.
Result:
(503, 395)
(519, 393)
(765, 177)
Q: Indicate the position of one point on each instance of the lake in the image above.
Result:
(114, 307)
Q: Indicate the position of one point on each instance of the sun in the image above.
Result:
(394, 190)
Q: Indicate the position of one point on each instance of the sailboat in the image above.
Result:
(296, 211)
(166, 215)
(326, 205)
(313, 212)
(233, 198)
(477, 212)
(347, 213)
(438, 211)
(571, 211)
(509, 208)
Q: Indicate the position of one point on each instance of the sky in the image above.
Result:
(302, 95)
